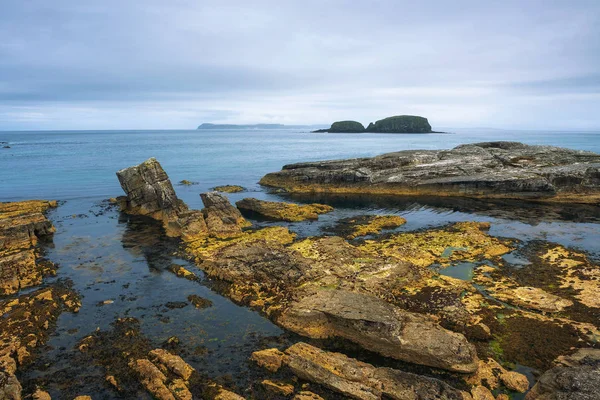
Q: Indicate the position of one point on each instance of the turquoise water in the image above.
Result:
(109, 256)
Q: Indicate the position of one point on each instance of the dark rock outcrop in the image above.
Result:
(222, 219)
(480, 170)
(282, 211)
(400, 124)
(381, 327)
(577, 377)
(346, 127)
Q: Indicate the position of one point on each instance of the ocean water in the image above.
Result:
(110, 256)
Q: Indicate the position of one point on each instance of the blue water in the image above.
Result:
(67, 165)
(109, 256)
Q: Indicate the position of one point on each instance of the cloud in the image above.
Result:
(114, 64)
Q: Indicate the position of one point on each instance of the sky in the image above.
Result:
(155, 64)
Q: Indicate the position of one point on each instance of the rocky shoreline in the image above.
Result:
(495, 170)
(374, 314)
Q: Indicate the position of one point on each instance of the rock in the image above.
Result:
(83, 398)
(346, 127)
(152, 379)
(185, 182)
(229, 189)
(22, 225)
(576, 377)
(199, 302)
(150, 192)
(360, 380)
(380, 327)
(369, 225)
(515, 381)
(282, 211)
(306, 395)
(270, 359)
(174, 363)
(400, 124)
(41, 395)
(182, 272)
(482, 393)
(502, 396)
(223, 219)
(481, 170)
(278, 388)
(10, 387)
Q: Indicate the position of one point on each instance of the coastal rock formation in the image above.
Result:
(282, 211)
(480, 170)
(400, 124)
(222, 219)
(359, 380)
(22, 225)
(364, 225)
(346, 127)
(379, 326)
(576, 377)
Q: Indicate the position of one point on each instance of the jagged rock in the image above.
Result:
(278, 388)
(22, 225)
(576, 377)
(270, 359)
(360, 380)
(223, 219)
(173, 362)
(481, 170)
(282, 211)
(149, 192)
(400, 124)
(381, 327)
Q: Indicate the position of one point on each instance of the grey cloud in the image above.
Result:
(67, 63)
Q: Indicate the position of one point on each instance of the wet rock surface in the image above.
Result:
(222, 219)
(22, 225)
(229, 188)
(480, 170)
(279, 211)
(576, 377)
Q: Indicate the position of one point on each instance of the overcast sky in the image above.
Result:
(125, 64)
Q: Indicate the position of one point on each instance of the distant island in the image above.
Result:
(396, 124)
(256, 126)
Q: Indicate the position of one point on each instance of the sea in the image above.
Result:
(119, 264)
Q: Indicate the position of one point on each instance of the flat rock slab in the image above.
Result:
(380, 327)
(360, 380)
(280, 211)
(480, 170)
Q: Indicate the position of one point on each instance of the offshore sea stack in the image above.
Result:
(482, 170)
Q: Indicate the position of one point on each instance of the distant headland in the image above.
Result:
(396, 124)
(257, 126)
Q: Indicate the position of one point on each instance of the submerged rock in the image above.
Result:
(360, 380)
(282, 211)
(22, 225)
(380, 327)
(368, 225)
(481, 170)
(576, 377)
(229, 188)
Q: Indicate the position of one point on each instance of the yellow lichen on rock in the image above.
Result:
(283, 211)
(579, 273)
(376, 225)
(205, 248)
(464, 241)
(21, 225)
(229, 188)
